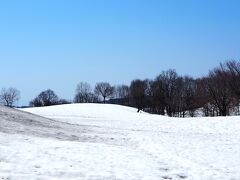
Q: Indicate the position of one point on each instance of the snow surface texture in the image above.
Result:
(96, 141)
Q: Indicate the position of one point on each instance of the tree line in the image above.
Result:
(84, 94)
(217, 94)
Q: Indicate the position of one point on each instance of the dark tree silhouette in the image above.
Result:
(122, 91)
(170, 81)
(138, 90)
(9, 96)
(84, 94)
(187, 96)
(233, 68)
(217, 87)
(104, 89)
(45, 98)
(158, 96)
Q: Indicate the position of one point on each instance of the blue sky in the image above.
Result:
(58, 43)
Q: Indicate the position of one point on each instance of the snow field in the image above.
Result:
(96, 141)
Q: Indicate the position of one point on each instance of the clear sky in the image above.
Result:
(58, 43)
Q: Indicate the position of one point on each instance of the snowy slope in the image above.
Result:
(96, 141)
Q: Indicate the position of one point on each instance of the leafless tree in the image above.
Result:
(217, 86)
(172, 93)
(104, 89)
(84, 93)
(170, 80)
(121, 95)
(233, 68)
(45, 98)
(201, 98)
(9, 96)
(158, 96)
(122, 91)
(187, 96)
(138, 90)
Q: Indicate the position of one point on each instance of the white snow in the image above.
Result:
(97, 141)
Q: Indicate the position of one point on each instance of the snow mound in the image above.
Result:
(13, 121)
(83, 110)
(117, 116)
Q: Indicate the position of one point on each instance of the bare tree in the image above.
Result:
(84, 93)
(233, 68)
(122, 91)
(172, 93)
(187, 96)
(217, 86)
(201, 97)
(138, 91)
(121, 95)
(104, 89)
(45, 98)
(9, 96)
(170, 80)
(158, 96)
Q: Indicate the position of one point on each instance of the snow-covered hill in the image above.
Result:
(97, 141)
